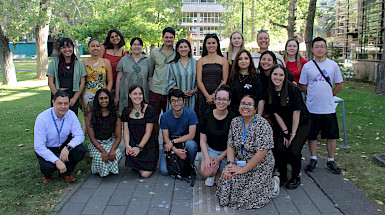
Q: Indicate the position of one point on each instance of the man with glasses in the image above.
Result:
(178, 125)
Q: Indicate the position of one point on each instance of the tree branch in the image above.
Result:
(276, 24)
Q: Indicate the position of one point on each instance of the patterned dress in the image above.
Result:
(95, 80)
(253, 189)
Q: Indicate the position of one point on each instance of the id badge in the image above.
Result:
(241, 163)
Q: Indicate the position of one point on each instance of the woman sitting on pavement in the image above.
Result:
(142, 151)
(214, 130)
(247, 182)
(291, 124)
(104, 129)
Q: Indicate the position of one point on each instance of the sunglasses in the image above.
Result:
(113, 36)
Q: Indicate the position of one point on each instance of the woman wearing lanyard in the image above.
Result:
(247, 182)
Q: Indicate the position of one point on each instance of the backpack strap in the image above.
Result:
(323, 75)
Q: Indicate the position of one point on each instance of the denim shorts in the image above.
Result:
(214, 154)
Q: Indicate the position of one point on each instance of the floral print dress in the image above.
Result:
(252, 189)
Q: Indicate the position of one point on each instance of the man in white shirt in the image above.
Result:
(58, 139)
(320, 102)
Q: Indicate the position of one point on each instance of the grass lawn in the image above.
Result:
(22, 191)
(25, 66)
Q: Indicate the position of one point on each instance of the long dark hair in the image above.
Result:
(62, 62)
(177, 55)
(261, 70)
(107, 42)
(286, 87)
(235, 69)
(96, 117)
(208, 36)
(130, 105)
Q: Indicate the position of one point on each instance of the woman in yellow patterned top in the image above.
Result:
(99, 75)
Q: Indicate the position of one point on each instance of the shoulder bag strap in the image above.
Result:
(323, 75)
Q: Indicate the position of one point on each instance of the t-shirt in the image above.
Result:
(319, 93)
(293, 68)
(104, 130)
(178, 126)
(217, 131)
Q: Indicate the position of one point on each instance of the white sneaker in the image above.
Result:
(276, 186)
(210, 181)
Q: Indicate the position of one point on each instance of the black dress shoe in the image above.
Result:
(293, 183)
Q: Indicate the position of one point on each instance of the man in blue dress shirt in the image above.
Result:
(58, 139)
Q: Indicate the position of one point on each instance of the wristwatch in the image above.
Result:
(69, 148)
(172, 141)
(230, 162)
(140, 148)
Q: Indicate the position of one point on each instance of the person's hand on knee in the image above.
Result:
(61, 166)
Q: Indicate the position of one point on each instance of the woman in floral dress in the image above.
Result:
(247, 182)
(98, 72)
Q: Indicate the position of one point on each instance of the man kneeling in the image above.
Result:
(58, 139)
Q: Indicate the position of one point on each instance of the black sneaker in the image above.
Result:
(332, 166)
(312, 165)
(293, 183)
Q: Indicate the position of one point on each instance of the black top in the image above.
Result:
(243, 85)
(294, 102)
(217, 131)
(106, 128)
(66, 76)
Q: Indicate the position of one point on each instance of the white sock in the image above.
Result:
(313, 157)
(330, 159)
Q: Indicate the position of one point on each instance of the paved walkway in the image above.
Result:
(127, 193)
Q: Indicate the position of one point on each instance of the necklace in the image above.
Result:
(115, 51)
(242, 78)
(137, 114)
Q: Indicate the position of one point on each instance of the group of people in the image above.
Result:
(245, 112)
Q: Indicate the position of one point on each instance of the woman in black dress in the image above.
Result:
(245, 81)
(291, 124)
(138, 119)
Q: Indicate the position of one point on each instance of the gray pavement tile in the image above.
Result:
(138, 206)
(302, 201)
(114, 210)
(72, 208)
(121, 197)
(158, 211)
(152, 179)
(127, 184)
(181, 191)
(112, 179)
(310, 188)
(285, 205)
(144, 190)
(93, 181)
(324, 204)
(269, 208)
(99, 199)
(181, 206)
(162, 199)
(82, 195)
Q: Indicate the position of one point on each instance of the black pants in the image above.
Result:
(75, 107)
(75, 155)
(292, 154)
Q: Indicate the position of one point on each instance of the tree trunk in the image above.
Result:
(55, 50)
(291, 20)
(309, 28)
(14, 47)
(253, 20)
(380, 87)
(6, 61)
(41, 35)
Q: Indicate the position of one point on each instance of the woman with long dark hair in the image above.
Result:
(181, 72)
(142, 151)
(294, 61)
(291, 124)
(267, 61)
(67, 73)
(244, 80)
(212, 72)
(104, 129)
(135, 68)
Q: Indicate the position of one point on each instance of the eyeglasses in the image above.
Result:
(173, 101)
(113, 36)
(222, 100)
(66, 47)
(247, 105)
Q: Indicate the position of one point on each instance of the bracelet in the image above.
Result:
(230, 162)
(284, 130)
(292, 134)
(140, 148)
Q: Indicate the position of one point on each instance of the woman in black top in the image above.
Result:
(291, 123)
(214, 128)
(245, 81)
(104, 129)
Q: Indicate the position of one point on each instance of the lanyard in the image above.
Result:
(57, 129)
(244, 133)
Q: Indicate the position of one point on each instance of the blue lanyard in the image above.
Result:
(244, 133)
(57, 129)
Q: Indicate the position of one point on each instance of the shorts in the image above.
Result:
(326, 124)
(214, 153)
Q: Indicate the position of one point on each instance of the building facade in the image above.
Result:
(201, 17)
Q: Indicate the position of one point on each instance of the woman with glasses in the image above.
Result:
(214, 130)
(291, 124)
(67, 73)
(181, 72)
(212, 72)
(142, 151)
(135, 68)
(245, 81)
(247, 182)
(112, 50)
(263, 40)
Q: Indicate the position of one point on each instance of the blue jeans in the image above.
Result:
(192, 149)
